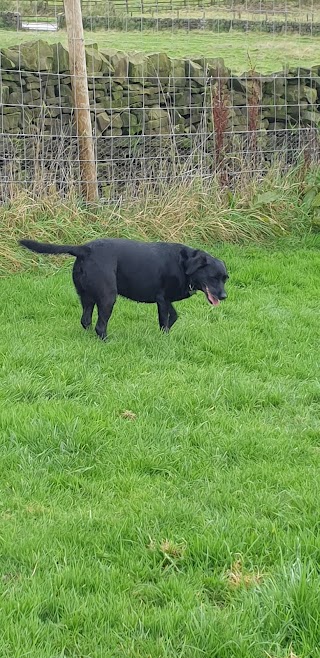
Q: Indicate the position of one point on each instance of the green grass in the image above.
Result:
(189, 527)
(240, 51)
(306, 11)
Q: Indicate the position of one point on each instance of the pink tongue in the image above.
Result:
(212, 299)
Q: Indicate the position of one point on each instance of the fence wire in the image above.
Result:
(180, 113)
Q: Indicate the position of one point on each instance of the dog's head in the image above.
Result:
(206, 273)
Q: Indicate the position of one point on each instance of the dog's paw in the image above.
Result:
(101, 336)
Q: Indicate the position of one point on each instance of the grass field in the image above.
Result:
(299, 11)
(159, 494)
(240, 51)
(272, 14)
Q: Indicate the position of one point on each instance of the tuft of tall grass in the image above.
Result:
(195, 211)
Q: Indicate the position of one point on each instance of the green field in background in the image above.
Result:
(264, 52)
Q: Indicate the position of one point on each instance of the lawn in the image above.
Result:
(240, 51)
(159, 494)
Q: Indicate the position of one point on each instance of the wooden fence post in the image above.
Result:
(79, 82)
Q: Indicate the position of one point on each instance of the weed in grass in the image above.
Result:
(237, 576)
(220, 116)
(129, 415)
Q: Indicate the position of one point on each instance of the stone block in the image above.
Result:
(4, 94)
(120, 63)
(32, 97)
(31, 56)
(103, 121)
(310, 117)
(128, 119)
(274, 86)
(15, 97)
(138, 66)
(97, 63)
(33, 85)
(60, 62)
(310, 93)
(215, 67)
(158, 68)
(10, 122)
(6, 61)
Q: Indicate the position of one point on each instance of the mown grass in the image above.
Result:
(159, 494)
(265, 52)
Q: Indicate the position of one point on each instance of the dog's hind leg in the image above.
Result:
(105, 305)
(88, 306)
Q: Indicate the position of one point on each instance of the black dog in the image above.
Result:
(156, 272)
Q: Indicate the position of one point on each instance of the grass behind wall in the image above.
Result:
(264, 52)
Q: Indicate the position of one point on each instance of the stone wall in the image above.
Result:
(153, 117)
(112, 21)
(127, 23)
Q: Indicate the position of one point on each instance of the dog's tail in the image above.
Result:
(44, 248)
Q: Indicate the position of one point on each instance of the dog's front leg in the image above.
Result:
(167, 314)
(163, 314)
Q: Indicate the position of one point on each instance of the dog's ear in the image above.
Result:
(194, 262)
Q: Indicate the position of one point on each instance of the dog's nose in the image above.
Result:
(223, 296)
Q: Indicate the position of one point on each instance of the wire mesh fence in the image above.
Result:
(162, 117)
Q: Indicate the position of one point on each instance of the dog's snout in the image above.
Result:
(223, 296)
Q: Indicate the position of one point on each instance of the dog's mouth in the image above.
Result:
(214, 301)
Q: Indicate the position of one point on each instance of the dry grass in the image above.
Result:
(170, 554)
(291, 654)
(128, 415)
(172, 550)
(238, 576)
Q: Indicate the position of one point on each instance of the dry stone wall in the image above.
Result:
(140, 23)
(153, 116)
(114, 21)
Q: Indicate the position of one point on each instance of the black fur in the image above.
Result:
(156, 272)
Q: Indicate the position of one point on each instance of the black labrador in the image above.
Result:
(156, 272)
